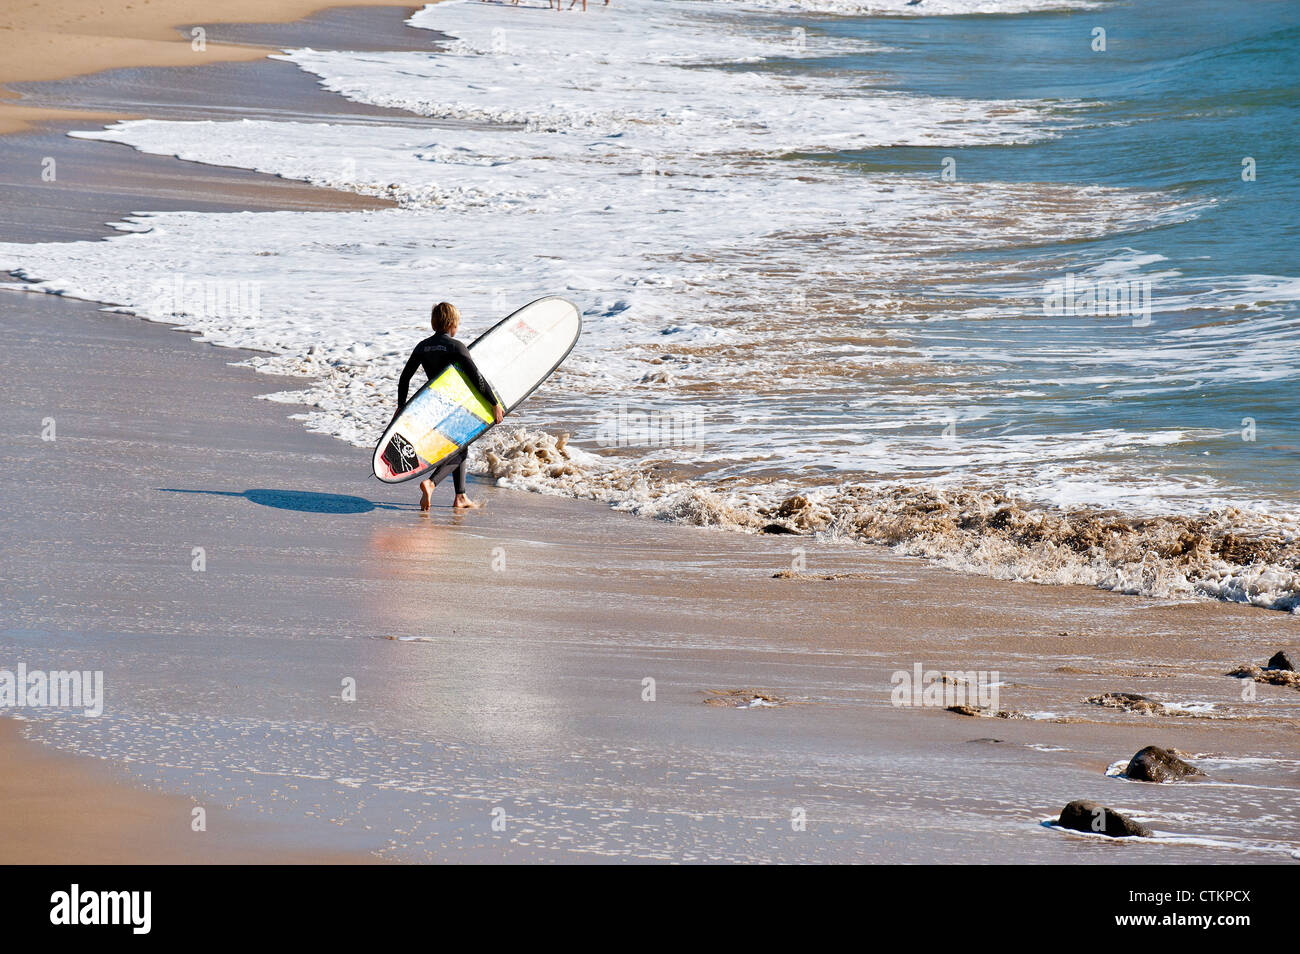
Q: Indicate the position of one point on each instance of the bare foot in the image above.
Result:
(464, 503)
(426, 494)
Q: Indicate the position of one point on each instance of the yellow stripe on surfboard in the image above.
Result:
(458, 390)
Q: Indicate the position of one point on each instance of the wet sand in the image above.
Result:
(500, 658)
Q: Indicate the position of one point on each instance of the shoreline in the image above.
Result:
(986, 522)
(532, 697)
(127, 35)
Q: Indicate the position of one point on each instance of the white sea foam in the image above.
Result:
(922, 8)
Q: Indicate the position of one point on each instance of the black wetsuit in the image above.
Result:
(436, 354)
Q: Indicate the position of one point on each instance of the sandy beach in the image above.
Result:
(70, 811)
(546, 680)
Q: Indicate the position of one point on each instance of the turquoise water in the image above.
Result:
(1182, 93)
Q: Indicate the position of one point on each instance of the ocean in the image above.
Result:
(1011, 287)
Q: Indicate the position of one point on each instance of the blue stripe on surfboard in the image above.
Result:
(461, 426)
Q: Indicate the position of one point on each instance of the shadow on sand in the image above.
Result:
(303, 501)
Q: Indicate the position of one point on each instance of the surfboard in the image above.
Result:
(515, 355)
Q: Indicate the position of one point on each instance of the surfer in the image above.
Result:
(435, 354)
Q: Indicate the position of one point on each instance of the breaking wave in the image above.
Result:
(1233, 555)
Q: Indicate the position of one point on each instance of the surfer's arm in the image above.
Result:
(404, 382)
(474, 374)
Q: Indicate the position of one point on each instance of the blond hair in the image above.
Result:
(445, 318)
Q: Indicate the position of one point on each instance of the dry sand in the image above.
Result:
(52, 39)
(61, 810)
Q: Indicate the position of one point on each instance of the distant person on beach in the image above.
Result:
(436, 354)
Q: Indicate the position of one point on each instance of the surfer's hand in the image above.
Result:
(499, 412)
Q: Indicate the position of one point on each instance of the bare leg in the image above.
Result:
(426, 494)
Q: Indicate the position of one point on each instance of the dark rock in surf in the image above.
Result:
(1280, 660)
(744, 698)
(779, 528)
(984, 713)
(1127, 700)
(1154, 764)
(1083, 815)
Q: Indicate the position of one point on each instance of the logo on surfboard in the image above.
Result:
(523, 332)
(400, 456)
